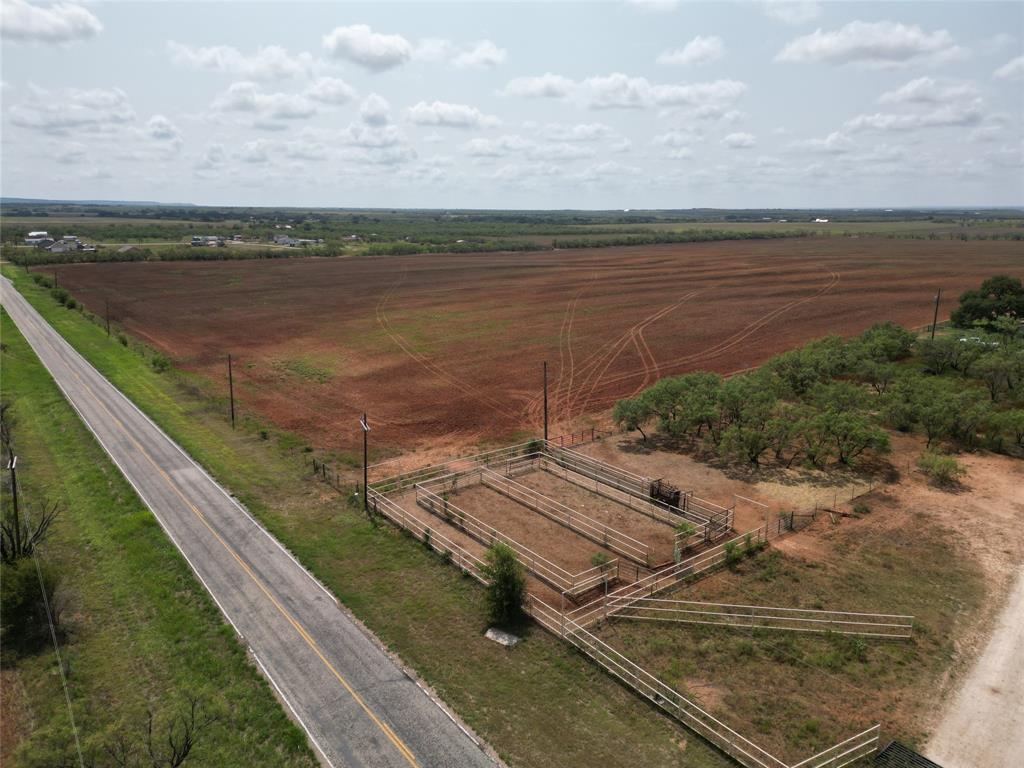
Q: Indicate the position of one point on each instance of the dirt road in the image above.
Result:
(984, 725)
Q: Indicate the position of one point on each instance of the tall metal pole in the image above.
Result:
(13, 466)
(231, 391)
(545, 401)
(366, 485)
(935, 317)
(107, 303)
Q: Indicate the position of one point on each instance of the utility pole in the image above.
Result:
(107, 304)
(935, 317)
(13, 466)
(55, 278)
(231, 391)
(366, 485)
(545, 401)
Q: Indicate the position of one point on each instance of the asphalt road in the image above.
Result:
(984, 725)
(358, 707)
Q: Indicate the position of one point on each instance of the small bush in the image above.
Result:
(70, 303)
(37, 278)
(733, 554)
(61, 295)
(264, 434)
(861, 508)
(506, 589)
(160, 362)
(600, 560)
(122, 339)
(943, 470)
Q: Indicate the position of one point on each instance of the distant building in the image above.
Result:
(39, 237)
(821, 221)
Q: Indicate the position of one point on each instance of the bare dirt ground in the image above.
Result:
(948, 557)
(659, 536)
(445, 350)
(990, 702)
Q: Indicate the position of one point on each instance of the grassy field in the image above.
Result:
(141, 631)
(795, 694)
(539, 705)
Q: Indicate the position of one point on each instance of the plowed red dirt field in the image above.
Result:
(449, 347)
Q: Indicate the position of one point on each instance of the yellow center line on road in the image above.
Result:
(384, 727)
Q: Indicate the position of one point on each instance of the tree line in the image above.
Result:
(830, 401)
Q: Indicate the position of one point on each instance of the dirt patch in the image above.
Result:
(14, 715)
(448, 347)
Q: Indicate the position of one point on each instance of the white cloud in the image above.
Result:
(682, 153)
(246, 97)
(944, 116)
(620, 91)
(739, 141)
(160, 128)
(257, 151)
(266, 63)
(873, 44)
(57, 23)
(675, 139)
(655, 6)
(371, 50)
(72, 154)
(548, 85)
(836, 143)
(578, 132)
(500, 146)
(925, 90)
(483, 55)
(449, 115)
(700, 50)
(1011, 70)
(792, 11)
(213, 157)
(95, 110)
(330, 90)
(375, 110)
(512, 144)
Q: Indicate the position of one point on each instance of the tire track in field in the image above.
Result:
(475, 392)
(604, 361)
(729, 343)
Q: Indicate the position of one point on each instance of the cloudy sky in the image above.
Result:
(515, 105)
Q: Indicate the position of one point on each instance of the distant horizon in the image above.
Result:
(14, 200)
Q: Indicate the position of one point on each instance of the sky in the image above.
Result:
(652, 104)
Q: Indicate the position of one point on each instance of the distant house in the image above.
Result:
(63, 246)
(39, 237)
(821, 221)
(291, 242)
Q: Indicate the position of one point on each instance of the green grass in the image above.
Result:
(541, 704)
(795, 694)
(141, 631)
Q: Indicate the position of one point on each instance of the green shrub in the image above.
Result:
(733, 554)
(25, 626)
(160, 362)
(71, 303)
(861, 508)
(506, 588)
(943, 470)
(600, 560)
(61, 295)
(122, 339)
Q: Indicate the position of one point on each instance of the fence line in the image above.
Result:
(658, 581)
(466, 561)
(878, 625)
(644, 683)
(594, 530)
(558, 577)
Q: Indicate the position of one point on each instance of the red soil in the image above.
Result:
(448, 348)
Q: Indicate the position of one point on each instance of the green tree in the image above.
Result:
(632, 414)
(938, 355)
(884, 342)
(1012, 423)
(23, 603)
(506, 588)
(995, 371)
(852, 433)
(998, 296)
